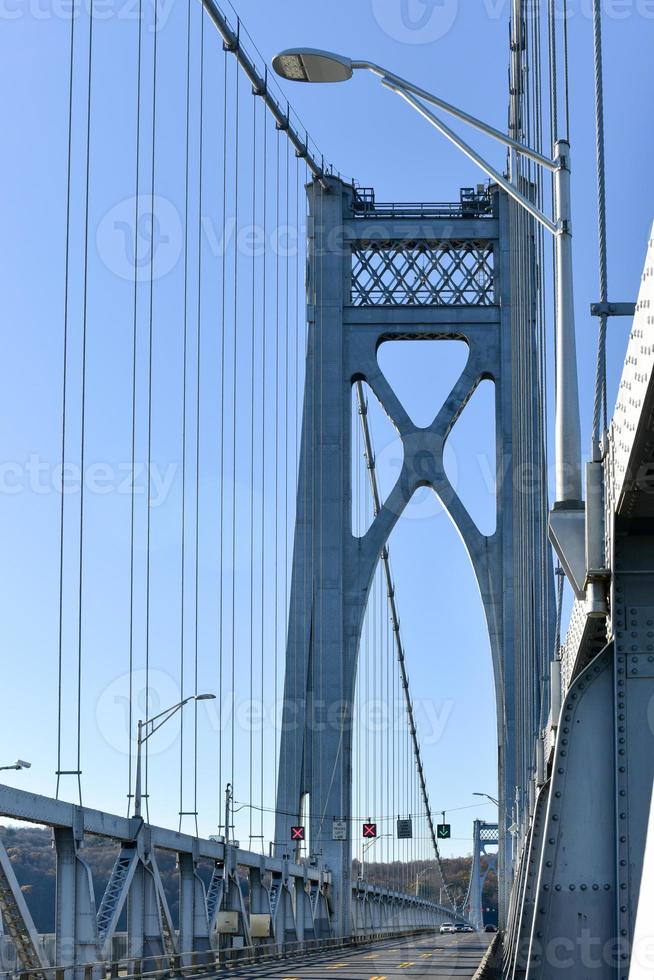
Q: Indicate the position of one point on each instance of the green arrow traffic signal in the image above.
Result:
(444, 831)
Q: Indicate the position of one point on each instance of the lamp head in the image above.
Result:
(21, 764)
(205, 697)
(311, 65)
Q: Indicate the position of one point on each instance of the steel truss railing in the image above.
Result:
(304, 886)
(205, 962)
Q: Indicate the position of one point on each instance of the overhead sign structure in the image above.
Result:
(370, 830)
(444, 831)
(404, 829)
(339, 830)
(297, 833)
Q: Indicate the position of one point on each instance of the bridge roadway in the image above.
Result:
(433, 957)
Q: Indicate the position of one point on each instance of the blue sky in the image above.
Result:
(461, 51)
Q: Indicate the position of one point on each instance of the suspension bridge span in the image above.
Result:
(228, 313)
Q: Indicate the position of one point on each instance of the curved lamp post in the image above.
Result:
(312, 65)
(145, 730)
(488, 797)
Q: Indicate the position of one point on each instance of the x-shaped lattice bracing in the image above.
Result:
(423, 464)
(423, 274)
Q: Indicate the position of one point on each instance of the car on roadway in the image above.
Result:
(490, 928)
(446, 928)
(461, 927)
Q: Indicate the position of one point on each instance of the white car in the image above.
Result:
(447, 927)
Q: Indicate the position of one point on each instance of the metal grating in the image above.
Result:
(114, 892)
(423, 273)
(215, 890)
(489, 833)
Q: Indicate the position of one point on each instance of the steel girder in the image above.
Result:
(17, 920)
(583, 912)
(84, 937)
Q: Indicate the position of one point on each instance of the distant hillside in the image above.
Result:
(31, 852)
(456, 872)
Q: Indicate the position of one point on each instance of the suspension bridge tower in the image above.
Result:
(376, 274)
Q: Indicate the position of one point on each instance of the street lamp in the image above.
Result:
(364, 850)
(310, 65)
(154, 724)
(18, 764)
(488, 797)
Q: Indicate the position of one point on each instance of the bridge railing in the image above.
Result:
(255, 905)
(200, 962)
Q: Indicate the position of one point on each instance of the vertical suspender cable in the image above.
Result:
(554, 102)
(198, 388)
(554, 130)
(184, 413)
(134, 369)
(276, 478)
(252, 441)
(566, 72)
(285, 383)
(287, 356)
(83, 401)
(264, 338)
(599, 408)
(318, 475)
(64, 393)
(296, 402)
(223, 331)
(237, 135)
(150, 350)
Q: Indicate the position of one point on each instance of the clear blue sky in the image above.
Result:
(461, 51)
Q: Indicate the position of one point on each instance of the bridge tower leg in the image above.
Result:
(483, 835)
(76, 932)
(474, 909)
(468, 293)
(326, 609)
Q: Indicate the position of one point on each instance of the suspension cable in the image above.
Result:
(185, 345)
(85, 307)
(599, 408)
(198, 389)
(64, 395)
(133, 409)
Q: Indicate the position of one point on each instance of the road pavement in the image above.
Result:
(433, 957)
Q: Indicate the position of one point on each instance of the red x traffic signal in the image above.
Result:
(370, 830)
(297, 833)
